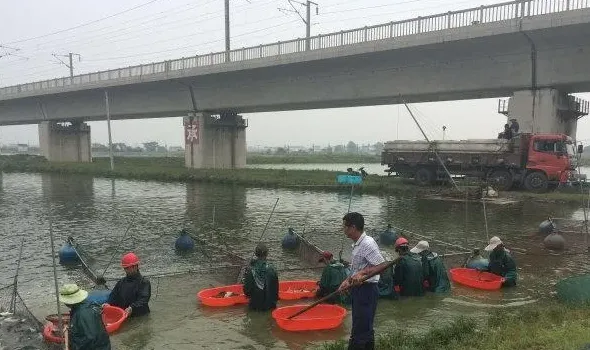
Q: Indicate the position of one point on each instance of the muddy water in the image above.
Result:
(96, 212)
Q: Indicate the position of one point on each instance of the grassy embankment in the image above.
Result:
(324, 158)
(550, 327)
(173, 169)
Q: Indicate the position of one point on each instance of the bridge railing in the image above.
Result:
(449, 20)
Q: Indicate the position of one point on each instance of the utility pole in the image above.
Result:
(306, 20)
(227, 46)
(71, 64)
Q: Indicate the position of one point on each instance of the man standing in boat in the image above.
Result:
(133, 291)
(261, 282)
(501, 262)
(332, 277)
(365, 257)
(435, 274)
(86, 330)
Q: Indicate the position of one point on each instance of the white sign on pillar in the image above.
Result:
(191, 132)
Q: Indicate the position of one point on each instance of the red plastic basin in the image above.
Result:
(323, 316)
(210, 296)
(112, 317)
(476, 279)
(292, 290)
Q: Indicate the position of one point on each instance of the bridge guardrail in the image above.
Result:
(449, 20)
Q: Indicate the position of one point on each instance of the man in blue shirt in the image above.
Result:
(365, 257)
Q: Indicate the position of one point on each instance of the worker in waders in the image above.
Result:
(435, 274)
(408, 275)
(261, 282)
(133, 291)
(386, 281)
(501, 262)
(85, 331)
(332, 277)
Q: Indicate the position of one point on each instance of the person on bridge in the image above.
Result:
(514, 127)
(85, 331)
(261, 282)
(365, 258)
(507, 134)
(133, 291)
(408, 274)
(435, 274)
(501, 262)
(332, 277)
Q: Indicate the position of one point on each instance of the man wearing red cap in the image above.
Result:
(332, 277)
(408, 274)
(133, 291)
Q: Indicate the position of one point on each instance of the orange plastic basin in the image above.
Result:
(112, 317)
(323, 316)
(292, 290)
(476, 279)
(210, 296)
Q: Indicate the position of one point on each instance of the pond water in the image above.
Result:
(97, 212)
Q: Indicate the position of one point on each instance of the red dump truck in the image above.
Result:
(533, 161)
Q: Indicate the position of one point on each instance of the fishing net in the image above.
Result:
(308, 252)
(574, 290)
(19, 328)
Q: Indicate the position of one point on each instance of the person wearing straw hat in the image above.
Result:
(435, 274)
(332, 277)
(501, 262)
(86, 330)
(132, 292)
(261, 281)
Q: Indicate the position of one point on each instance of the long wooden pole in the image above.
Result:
(382, 267)
(242, 270)
(59, 321)
(14, 292)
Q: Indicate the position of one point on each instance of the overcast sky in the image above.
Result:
(157, 30)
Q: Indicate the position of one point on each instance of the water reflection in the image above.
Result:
(60, 189)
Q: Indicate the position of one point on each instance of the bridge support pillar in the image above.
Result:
(545, 111)
(65, 142)
(215, 141)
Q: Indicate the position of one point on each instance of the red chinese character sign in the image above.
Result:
(191, 132)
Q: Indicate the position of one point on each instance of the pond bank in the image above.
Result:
(173, 170)
(553, 327)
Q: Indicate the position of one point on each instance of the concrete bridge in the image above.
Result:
(535, 50)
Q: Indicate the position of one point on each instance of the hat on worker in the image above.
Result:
(71, 294)
(326, 256)
(420, 247)
(494, 242)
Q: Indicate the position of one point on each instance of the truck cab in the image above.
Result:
(550, 158)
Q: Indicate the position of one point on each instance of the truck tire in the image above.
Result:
(502, 179)
(424, 176)
(536, 182)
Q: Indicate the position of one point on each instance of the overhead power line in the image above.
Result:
(84, 24)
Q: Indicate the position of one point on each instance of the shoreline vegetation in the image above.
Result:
(172, 169)
(551, 326)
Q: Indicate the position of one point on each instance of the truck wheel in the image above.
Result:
(424, 177)
(502, 179)
(536, 182)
